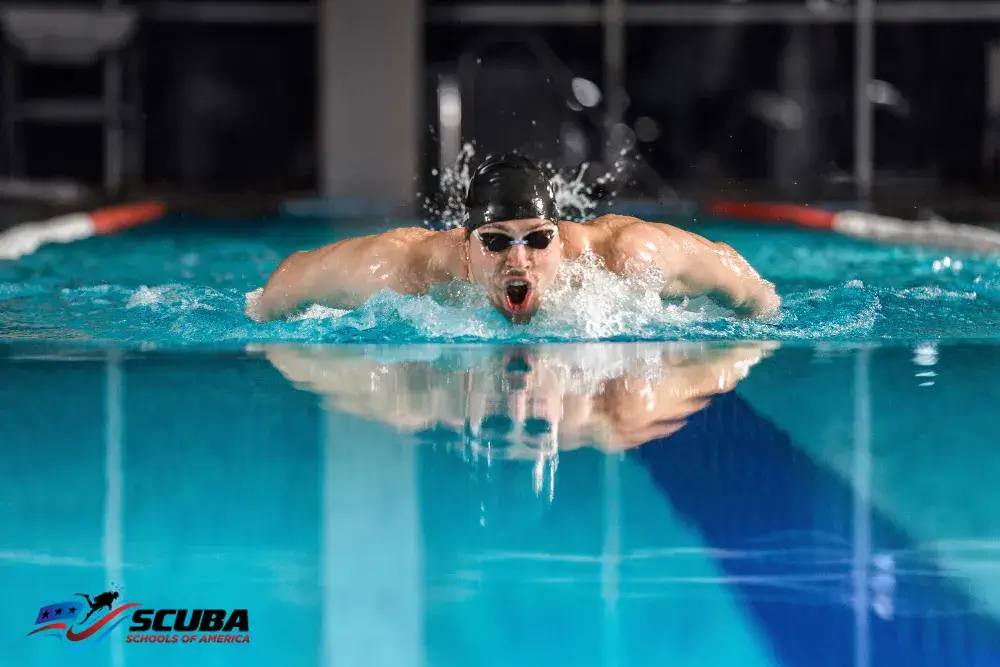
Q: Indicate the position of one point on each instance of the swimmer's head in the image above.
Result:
(512, 228)
(513, 407)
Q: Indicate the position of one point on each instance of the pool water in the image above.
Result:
(185, 282)
(444, 504)
(635, 489)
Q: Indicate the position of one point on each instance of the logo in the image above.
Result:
(59, 619)
(95, 618)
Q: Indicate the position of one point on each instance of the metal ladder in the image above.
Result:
(70, 36)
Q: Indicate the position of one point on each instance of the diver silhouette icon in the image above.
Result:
(101, 601)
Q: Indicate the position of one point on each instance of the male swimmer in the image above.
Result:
(512, 244)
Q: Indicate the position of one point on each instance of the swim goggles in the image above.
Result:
(498, 242)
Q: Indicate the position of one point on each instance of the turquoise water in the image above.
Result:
(184, 282)
(442, 505)
(618, 483)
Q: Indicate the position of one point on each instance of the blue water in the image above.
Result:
(371, 505)
(822, 496)
(185, 282)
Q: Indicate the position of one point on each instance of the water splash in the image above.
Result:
(576, 198)
(180, 289)
(453, 184)
(599, 304)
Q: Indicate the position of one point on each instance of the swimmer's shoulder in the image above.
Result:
(576, 238)
(406, 242)
(403, 245)
(624, 228)
(402, 237)
(438, 255)
(620, 239)
(604, 233)
(614, 222)
(436, 242)
(603, 226)
(407, 235)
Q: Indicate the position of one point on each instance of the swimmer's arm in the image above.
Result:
(341, 275)
(306, 276)
(692, 265)
(716, 269)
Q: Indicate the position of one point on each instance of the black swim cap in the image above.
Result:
(508, 187)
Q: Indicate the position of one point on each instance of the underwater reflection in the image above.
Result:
(523, 402)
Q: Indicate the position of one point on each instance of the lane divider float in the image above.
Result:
(861, 225)
(27, 237)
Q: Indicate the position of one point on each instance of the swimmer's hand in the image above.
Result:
(717, 269)
(763, 303)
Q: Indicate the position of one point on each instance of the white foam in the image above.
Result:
(318, 312)
(144, 296)
(313, 312)
(596, 303)
(934, 293)
(174, 297)
(252, 300)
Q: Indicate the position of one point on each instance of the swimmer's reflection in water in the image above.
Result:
(512, 246)
(528, 402)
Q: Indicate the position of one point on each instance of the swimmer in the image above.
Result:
(512, 244)
(526, 398)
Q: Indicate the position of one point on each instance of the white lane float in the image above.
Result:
(862, 225)
(25, 238)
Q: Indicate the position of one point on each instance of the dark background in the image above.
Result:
(232, 108)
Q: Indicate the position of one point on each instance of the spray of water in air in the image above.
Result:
(577, 197)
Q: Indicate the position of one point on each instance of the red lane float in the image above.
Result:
(794, 214)
(26, 238)
(861, 225)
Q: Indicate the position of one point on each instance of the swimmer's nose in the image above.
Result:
(517, 256)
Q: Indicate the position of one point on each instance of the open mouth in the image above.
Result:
(517, 293)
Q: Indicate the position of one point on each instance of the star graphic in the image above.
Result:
(72, 610)
(58, 611)
(45, 614)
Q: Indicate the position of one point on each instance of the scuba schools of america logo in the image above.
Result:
(94, 618)
(74, 619)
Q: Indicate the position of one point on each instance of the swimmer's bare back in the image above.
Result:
(410, 260)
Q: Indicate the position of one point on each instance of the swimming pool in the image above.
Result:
(820, 493)
(185, 281)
